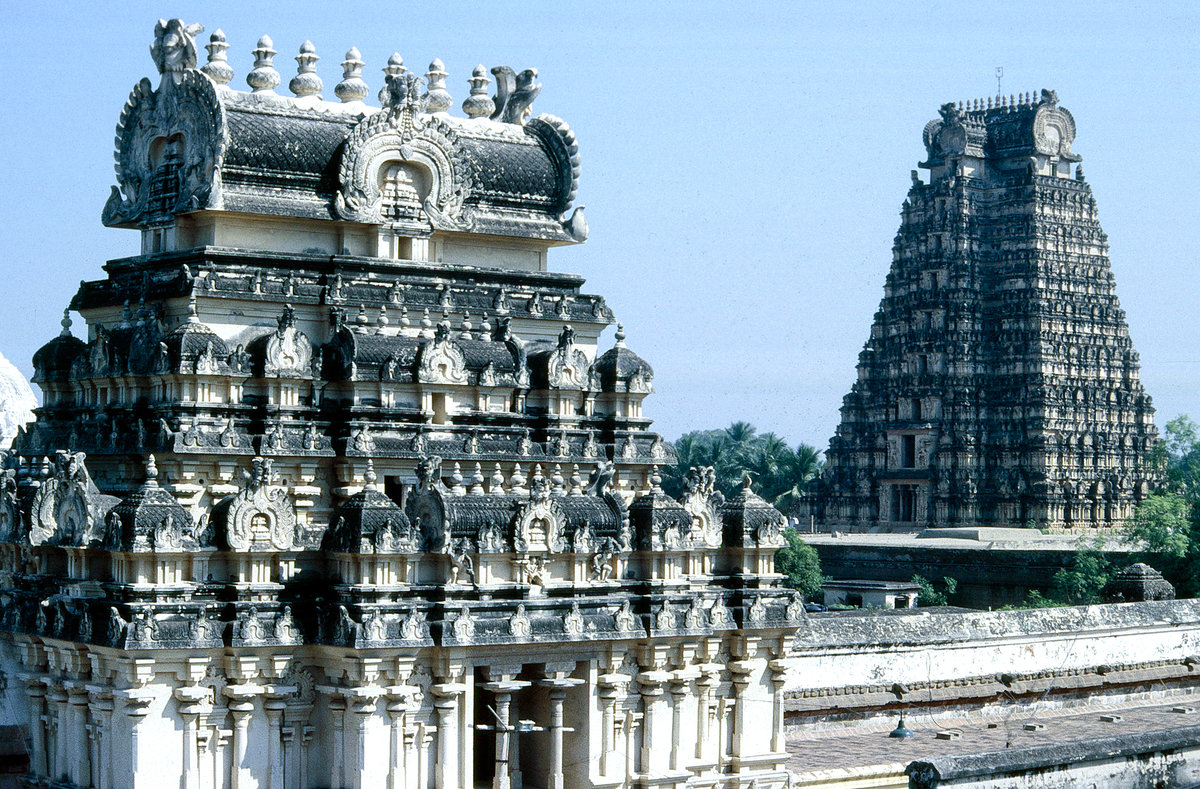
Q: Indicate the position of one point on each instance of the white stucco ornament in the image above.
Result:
(17, 401)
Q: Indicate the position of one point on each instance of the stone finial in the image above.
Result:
(370, 476)
(457, 479)
(477, 481)
(426, 324)
(497, 483)
(381, 321)
(174, 47)
(151, 471)
(437, 98)
(192, 317)
(306, 82)
(479, 104)
(217, 68)
(467, 327)
(394, 68)
(656, 479)
(557, 481)
(576, 480)
(66, 323)
(352, 87)
(516, 482)
(264, 78)
(620, 336)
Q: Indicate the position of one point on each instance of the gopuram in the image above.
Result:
(999, 386)
(339, 491)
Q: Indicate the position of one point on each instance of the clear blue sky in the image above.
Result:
(743, 163)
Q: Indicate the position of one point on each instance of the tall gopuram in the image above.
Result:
(339, 490)
(999, 386)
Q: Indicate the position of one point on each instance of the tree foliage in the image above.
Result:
(778, 473)
(1167, 522)
(930, 595)
(799, 562)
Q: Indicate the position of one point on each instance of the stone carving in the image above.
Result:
(461, 565)
(414, 627)
(665, 619)
(573, 621)
(289, 351)
(519, 624)
(441, 360)
(174, 47)
(539, 521)
(464, 626)
(261, 516)
(567, 367)
(719, 613)
(416, 155)
(693, 619)
(602, 561)
(624, 620)
(514, 94)
(757, 613)
(68, 508)
(171, 141)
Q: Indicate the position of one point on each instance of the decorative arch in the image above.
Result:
(419, 148)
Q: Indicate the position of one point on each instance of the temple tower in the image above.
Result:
(999, 386)
(340, 490)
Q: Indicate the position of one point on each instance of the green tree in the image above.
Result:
(930, 595)
(1081, 584)
(779, 474)
(799, 562)
(1167, 522)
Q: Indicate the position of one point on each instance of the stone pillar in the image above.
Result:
(397, 706)
(56, 698)
(505, 731)
(80, 763)
(102, 714)
(241, 707)
(193, 701)
(38, 763)
(558, 685)
(741, 670)
(446, 772)
(611, 687)
(137, 705)
(679, 691)
(273, 706)
(654, 755)
(710, 676)
(337, 712)
(778, 670)
(363, 771)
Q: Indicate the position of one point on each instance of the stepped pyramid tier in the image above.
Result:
(340, 488)
(999, 385)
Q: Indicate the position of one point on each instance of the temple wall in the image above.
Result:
(841, 661)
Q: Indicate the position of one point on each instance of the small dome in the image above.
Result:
(750, 519)
(192, 340)
(659, 522)
(150, 520)
(369, 522)
(621, 370)
(52, 362)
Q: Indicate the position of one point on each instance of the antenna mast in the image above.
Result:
(999, 75)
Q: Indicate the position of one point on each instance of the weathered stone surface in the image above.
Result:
(999, 385)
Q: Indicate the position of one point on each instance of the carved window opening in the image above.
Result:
(922, 365)
(260, 529)
(539, 530)
(908, 451)
(404, 187)
(904, 503)
(916, 409)
(166, 158)
(439, 405)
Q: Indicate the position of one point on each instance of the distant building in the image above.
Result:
(871, 594)
(340, 492)
(999, 385)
